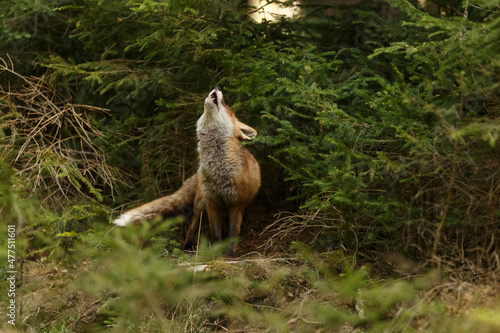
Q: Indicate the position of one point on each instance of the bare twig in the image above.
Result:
(50, 141)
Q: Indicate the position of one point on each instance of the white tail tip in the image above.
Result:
(127, 218)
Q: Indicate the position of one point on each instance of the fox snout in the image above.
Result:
(214, 99)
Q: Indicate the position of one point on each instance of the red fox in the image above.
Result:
(227, 180)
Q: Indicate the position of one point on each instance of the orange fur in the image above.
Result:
(178, 203)
(227, 180)
(229, 176)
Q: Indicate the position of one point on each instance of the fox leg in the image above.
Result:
(215, 213)
(194, 224)
(235, 218)
(192, 230)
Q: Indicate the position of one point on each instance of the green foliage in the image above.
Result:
(122, 283)
(396, 139)
(378, 131)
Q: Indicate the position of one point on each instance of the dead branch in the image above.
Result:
(50, 141)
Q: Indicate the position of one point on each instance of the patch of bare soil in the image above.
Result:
(48, 299)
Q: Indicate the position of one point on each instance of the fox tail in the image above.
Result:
(178, 203)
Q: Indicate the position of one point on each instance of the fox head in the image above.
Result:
(217, 113)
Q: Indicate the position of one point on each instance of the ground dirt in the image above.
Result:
(52, 303)
(49, 299)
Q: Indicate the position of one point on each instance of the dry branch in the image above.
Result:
(50, 141)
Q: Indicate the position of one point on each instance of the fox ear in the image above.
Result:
(247, 132)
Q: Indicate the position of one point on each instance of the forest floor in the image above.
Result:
(288, 291)
(52, 301)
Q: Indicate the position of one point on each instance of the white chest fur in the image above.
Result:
(214, 131)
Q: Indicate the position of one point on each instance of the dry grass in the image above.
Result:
(50, 140)
(297, 226)
(465, 253)
(51, 303)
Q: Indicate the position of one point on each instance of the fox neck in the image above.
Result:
(215, 131)
(217, 122)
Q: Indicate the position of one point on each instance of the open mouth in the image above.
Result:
(213, 96)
